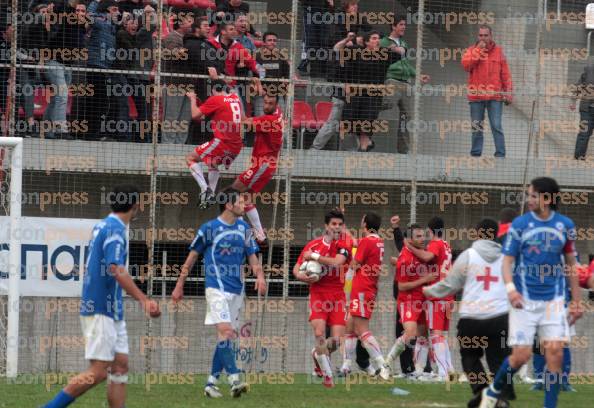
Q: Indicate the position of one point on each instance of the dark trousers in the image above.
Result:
(583, 137)
(484, 337)
(99, 108)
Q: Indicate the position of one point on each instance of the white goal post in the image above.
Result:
(14, 145)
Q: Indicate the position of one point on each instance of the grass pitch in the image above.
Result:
(284, 391)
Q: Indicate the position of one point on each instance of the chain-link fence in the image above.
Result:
(384, 114)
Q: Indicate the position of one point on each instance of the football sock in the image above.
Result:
(503, 376)
(350, 344)
(373, 348)
(61, 400)
(421, 354)
(217, 367)
(538, 364)
(439, 347)
(552, 386)
(227, 357)
(566, 365)
(397, 349)
(213, 179)
(196, 171)
(324, 363)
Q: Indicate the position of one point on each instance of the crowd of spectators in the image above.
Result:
(87, 70)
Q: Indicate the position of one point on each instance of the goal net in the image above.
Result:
(10, 212)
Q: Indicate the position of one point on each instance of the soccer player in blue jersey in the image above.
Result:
(538, 243)
(102, 318)
(225, 243)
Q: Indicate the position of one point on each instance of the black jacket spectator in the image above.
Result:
(364, 66)
(201, 56)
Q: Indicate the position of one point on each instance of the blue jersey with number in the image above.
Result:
(101, 293)
(538, 246)
(224, 248)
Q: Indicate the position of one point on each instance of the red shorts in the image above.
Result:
(256, 177)
(584, 274)
(412, 311)
(362, 302)
(328, 306)
(439, 313)
(216, 152)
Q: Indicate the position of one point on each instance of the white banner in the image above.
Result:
(53, 254)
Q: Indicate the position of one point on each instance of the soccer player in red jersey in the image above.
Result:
(327, 302)
(411, 275)
(225, 114)
(438, 255)
(265, 153)
(367, 265)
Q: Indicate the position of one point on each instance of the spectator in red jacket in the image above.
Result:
(489, 87)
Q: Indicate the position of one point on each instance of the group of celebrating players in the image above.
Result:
(532, 270)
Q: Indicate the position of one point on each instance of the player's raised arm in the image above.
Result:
(194, 109)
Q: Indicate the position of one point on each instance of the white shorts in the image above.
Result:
(548, 317)
(222, 307)
(104, 337)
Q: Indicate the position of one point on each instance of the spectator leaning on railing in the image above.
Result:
(401, 76)
(176, 107)
(585, 93)
(489, 87)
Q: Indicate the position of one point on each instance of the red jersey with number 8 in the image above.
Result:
(225, 118)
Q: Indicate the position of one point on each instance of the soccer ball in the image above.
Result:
(311, 268)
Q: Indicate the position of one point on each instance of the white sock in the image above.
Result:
(233, 378)
(254, 218)
(213, 179)
(421, 354)
(439, 346)
(196, 171)
(449, 356)
(350, 344)
(324, 363)
(373, 348)
(397, 349)
(212, 380)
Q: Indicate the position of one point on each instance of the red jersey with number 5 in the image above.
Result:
(370, 253)
(225, 118)
(442, 261)
(332, 279)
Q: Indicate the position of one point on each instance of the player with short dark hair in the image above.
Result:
(438, 256)
(225, 243)
(265, 153)
(327, 300)
(411, 274)
(367, 265)
(541, 245)
(101, 307)
(226, 114)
